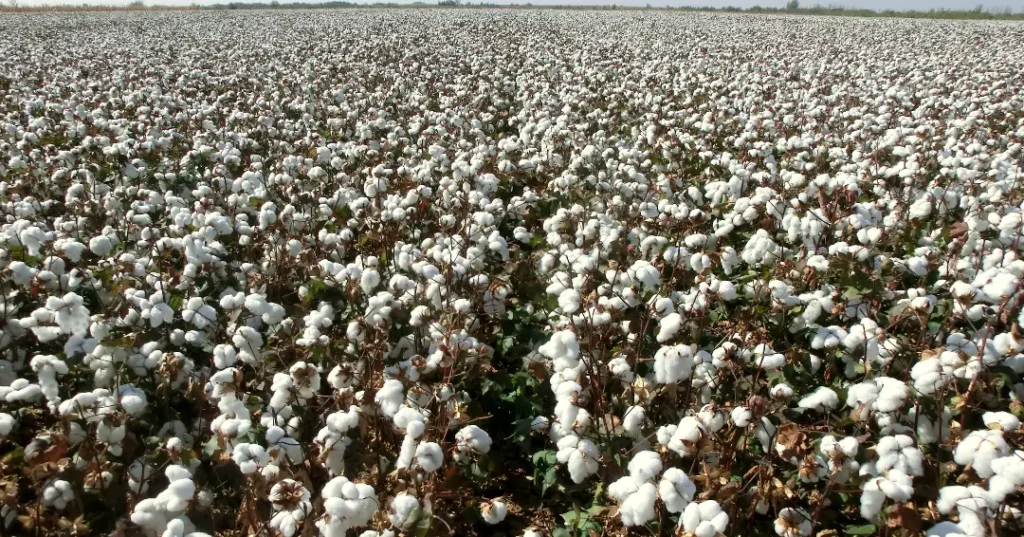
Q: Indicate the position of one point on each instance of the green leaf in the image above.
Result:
(211, 446)
(545, 455)
(550, 478)
(863, 529)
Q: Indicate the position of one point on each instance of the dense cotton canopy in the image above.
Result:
(509, 273)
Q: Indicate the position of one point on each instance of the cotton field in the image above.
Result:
(432, 272)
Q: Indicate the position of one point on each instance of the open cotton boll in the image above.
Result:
(7, 423)
(562, 349)
(637, 509)
(839, 449)
(971, 504)
(1009, 476)
(407, 452)
(793, 522)
(406, 417)
(979, 449)
(404, 511)
(473, 439)
(821, 399)
(894, 485)
(579, 455)
(781, 391)
(668, 326)
(645, 274)
(132, 399)
(898, 452)
(704, 519)
(633, 420)
(673, 363)
(494, 511)
(1001, 420)
(676, 490)
(250, 457)
(686, 438)
(741, 416)
(712, 418)
(291, 505)
(945, 529)
(390, 397)
(569, 301)
(429, 456)
(645, 465)
(57, 494)
(347, 505)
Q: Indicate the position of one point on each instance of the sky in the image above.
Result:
(923, 5)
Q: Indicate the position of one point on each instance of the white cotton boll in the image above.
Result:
(6, 424)
(562, 349)
(945, 529)
(429, 456)
(101, 245)
(249, 457)
(741, 416)
(676, 490)
(645, 465)
(638, 508)
(845, 448)
(58, 494)
(369, 281)
(673, 363)
(727, 290)
(405, 416)
(579, 455)
(821, 399)
(224, 356)
(645, 274)
(891, 395)
(704, 519)
(474, 439)
(404, 510)
(894, 485)
(418, 315)
(494, 511)
(407, 452)
(971, 504)
(668, 326)
(1001, 420)
(793, 523)
(712, 419)
(569, 301)
(633, 420)
(781, 391)
(1009, 476)
(390, 397)
(898, 452)
(686, 437)
(132, 399)
(979, 449)
(917, 265)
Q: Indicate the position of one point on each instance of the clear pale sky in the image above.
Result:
(924, 5)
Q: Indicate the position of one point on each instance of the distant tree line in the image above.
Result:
(792, 7)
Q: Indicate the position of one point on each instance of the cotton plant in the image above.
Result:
(267, 262)
(637, 492)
